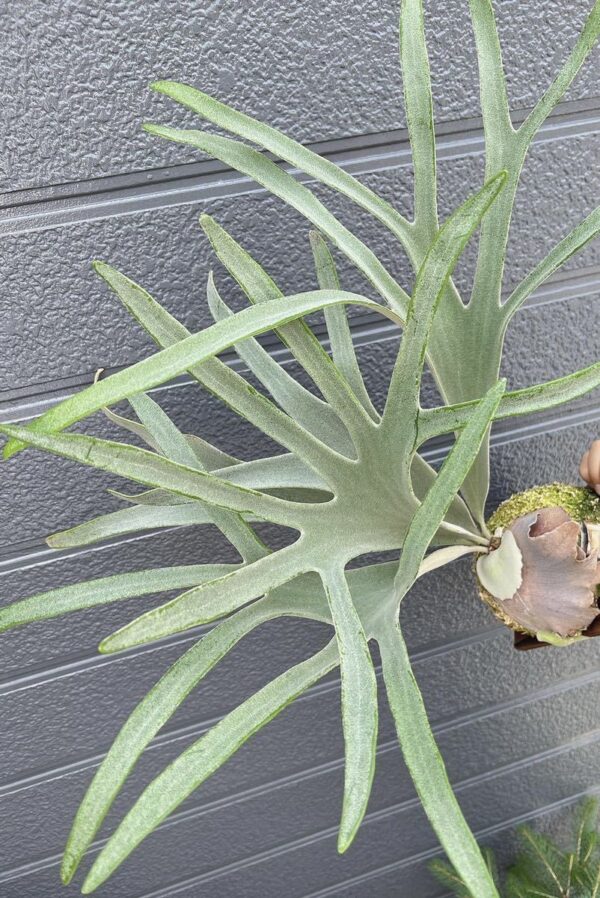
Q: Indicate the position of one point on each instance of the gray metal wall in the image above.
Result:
(519, 731)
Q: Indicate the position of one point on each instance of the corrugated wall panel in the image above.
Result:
(520, 733)
(320, 71)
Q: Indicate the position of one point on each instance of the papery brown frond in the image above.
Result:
(557, 594)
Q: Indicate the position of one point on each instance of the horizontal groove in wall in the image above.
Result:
(26, 555)
(95, 661)
(337, 146)
(480, 835)
(421, 857)
(566, 284)
(25, 403)
(36, 678)
(171, 735)
(580, 741)
(166, 737)
(440, 727)
(331, 832)
(40, 209)
(339, 887)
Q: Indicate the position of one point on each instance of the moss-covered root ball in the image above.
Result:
(540, 576)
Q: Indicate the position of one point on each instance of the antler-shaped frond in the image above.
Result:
(175, 468)
(338, 329)
(287, 149)
(172, 444)
(81, 596)
(156, 709)
(431, 281)
(213, 599)
(414, 733)
(154, 470)
(302, 343)
(202, 758)
(282, 184)
(188, 353)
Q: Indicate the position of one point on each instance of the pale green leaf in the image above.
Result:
(279, 182)
(131, 520)
(527, 401)
(149, 717)
(359, 704)
(418, 103)
(422, 476)
(302, 343)
(178, 358)
(492, 83)
(173, 445)
(214, 374)
(167, 438)
(414, 733)
(585, 43)
(289, 150)
(573, 243)
(426, 765)
(276, 471)
(150, 497)
(477, 340)
(311, 412)
(442, 557)
(81, 596)
(208, 455)
(218, 598)
(501, 571)
(432, 511)
(154, 470)
(133, 427)
(400, 414)
(338, 329)
(201, 759)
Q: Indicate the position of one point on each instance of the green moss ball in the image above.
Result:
(580, 502)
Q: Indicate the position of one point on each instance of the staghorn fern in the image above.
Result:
(351, 481)
(543, 869)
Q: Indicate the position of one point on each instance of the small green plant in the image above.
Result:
(351, 480)
(542, 868)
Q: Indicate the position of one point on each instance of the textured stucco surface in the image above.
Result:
(76, 73)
